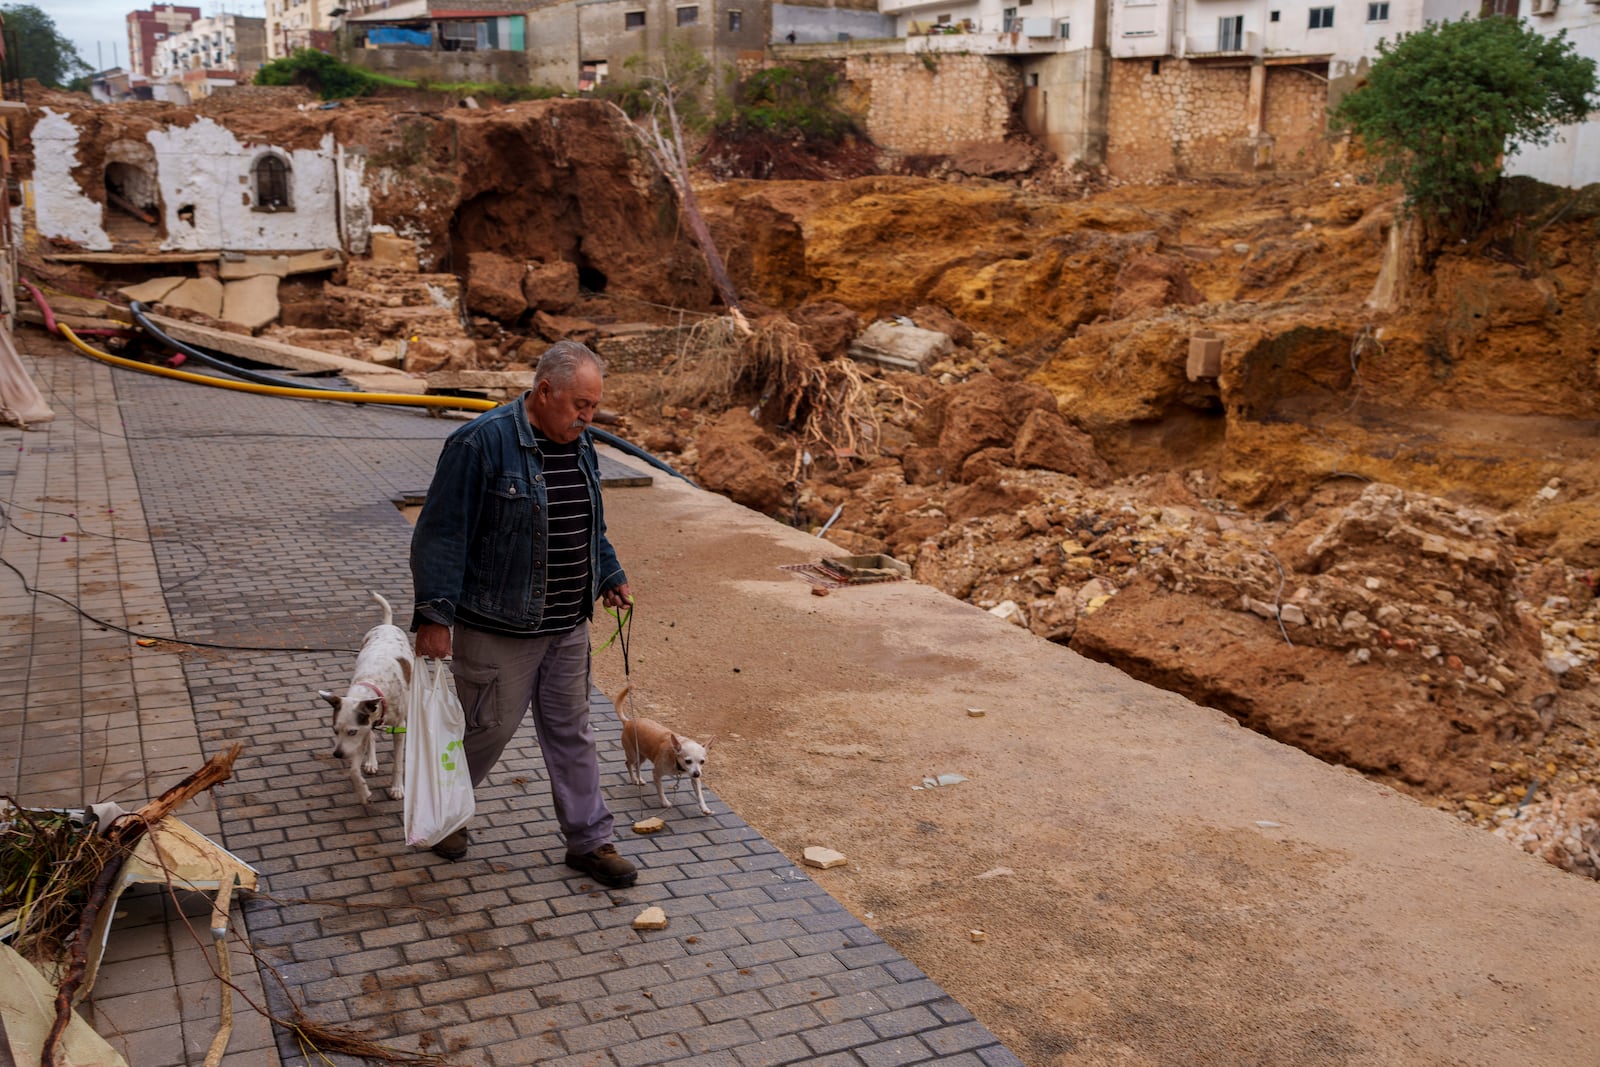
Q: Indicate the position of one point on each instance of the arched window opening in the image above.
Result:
(271, 176)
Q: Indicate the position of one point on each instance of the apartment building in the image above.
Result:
(148, 29)
(295, 24)
(235, 44)
(1573, 158)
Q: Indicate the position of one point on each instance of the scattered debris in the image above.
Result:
(652, 825)
(943, 779)
(652, 918)
(841, 571)
(976, 713)
(824, 858)
(1564, 831)
(978, 936)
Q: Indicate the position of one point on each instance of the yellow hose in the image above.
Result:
(402, 399)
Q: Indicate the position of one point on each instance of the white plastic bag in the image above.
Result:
(438, 784)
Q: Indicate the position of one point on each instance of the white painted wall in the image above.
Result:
(1574, 159)
(59, 209)
(1037, 25)
(204, 166)
(1156, 28)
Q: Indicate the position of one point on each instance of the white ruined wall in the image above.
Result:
(205, 192)
(59, 208)
(355, 212)
(205, 166)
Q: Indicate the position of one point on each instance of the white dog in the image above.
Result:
(375, 703)
(646, 739)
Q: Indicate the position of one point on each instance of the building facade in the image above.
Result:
(233, 45)
(147, 30)
(1573, 158)
(295, 24)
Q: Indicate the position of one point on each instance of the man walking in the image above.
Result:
(507, 559)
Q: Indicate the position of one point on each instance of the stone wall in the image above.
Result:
(642, 350)
(935, 105)
(1181, 118)
(1297, 119)
(490, 66)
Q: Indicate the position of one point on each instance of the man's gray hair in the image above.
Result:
(560, 362)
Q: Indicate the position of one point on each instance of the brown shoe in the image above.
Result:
(454, 845)
(605, 865)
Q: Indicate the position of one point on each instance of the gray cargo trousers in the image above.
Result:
(499, 680)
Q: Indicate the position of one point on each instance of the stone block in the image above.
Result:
(1205, 355)
(394, 252)
(825, 858)
(551, 286)
(901, 347)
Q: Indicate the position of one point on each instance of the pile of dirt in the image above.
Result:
(1356, 537)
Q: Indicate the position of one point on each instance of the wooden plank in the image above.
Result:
(133, 257)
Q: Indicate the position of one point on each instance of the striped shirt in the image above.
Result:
(570, 516)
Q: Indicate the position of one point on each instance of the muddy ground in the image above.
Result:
(1370, 531)
(1372, 535)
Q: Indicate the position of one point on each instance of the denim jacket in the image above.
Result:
(482, 537)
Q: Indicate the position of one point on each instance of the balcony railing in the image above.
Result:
(1231, 44)
(1038, 28)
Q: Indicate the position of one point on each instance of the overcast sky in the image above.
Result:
(100, 27)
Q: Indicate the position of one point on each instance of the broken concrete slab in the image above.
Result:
(251, 302)
(311, 262)
(197, 294)
(891, 344)
(652, 918)
(277, 354)
(654, 824)
(152, 290)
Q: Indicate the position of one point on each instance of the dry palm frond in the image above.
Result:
(49, 861)
(321, 1040)
(826, 405)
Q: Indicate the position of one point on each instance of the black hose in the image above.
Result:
(637, 453)
(259, 378)
(216, 363)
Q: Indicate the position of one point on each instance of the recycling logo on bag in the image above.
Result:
(447, 758)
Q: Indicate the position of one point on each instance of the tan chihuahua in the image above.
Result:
(646, 739)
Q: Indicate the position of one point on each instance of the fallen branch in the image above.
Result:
(124, 832)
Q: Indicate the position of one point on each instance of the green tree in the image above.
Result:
(319, 72)
(1443, 106)
(36, 49)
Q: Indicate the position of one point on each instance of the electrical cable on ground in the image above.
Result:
(164, 638)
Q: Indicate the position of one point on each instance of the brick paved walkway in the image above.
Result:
(269, 521)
